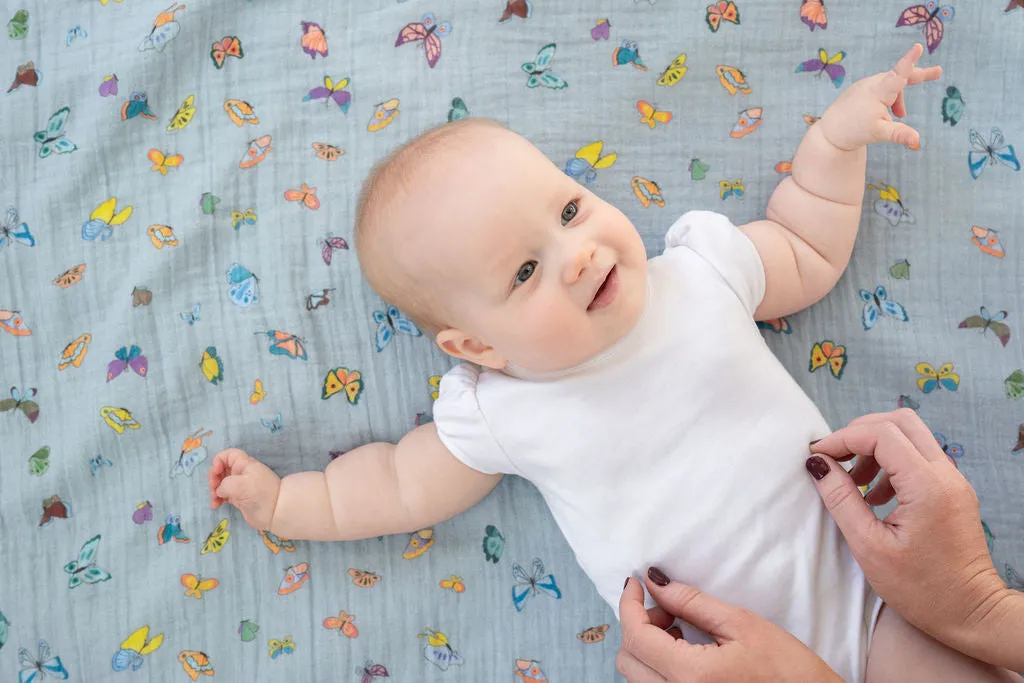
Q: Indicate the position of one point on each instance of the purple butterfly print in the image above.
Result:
(143, 513)
(600, 31)
(371, 671)
(124, 359)
(331, 91)
(329, 244)
(108, 87)
(826, 64)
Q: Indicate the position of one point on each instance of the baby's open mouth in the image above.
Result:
(606, 292)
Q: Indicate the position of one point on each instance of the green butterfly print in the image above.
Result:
(17, 27)
(1014, 385)
(84, 569)
(39, 461)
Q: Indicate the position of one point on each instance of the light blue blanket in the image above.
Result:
(177, 247)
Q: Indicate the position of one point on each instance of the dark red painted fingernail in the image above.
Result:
(625, 584)
(657, 576)
(675, 632)
(817, 467)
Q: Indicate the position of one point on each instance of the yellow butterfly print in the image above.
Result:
(217, 538)
(258, 393)
(674, 71)
(930, 379)
(183, 116)
(434, 381)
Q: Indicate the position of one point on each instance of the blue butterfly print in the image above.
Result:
(995, 150)
(73, 33)
(244, 289)
(52, 139)
(11, 231)
(876, 303)
(529, 585)
(391, 322)
(96, 463)
(43, 666)
(273, 425)
(953, 450)
(191, 317)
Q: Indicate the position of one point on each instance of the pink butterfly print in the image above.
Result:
(329, 244)
(429, 31)
(932, 16)
(124, 359)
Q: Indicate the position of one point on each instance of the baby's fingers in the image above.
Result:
(899, 133)
(230, 489)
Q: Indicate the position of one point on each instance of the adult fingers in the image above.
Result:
(843, 500)
(881, 493)
(632, 613)
(911, 424)
(635, 671)
(704, 611)
(659, 617)
(864, 471)
(882, 439)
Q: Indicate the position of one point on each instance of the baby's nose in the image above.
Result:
(579, 262)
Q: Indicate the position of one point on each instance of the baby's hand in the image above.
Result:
(247, 484)
(861, 114)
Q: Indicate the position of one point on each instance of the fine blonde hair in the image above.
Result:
(376, 234)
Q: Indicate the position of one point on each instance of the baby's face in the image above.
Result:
(532, 263)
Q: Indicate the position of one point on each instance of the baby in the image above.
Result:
(627, 391)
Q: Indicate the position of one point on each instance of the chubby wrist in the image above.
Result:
(272, 525)
(831, 127)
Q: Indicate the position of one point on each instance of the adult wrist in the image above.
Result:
(996, 635)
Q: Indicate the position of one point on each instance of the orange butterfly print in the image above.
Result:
(723, 10)
(314, 40)
(831, 354)
(343, 623)
(229, 46)
(455, 584)
(69, 277)
(650, 115)
(196, 585)
(812, 13)
(307, 195)
(364, 579)
(162, 162)
(327, 152)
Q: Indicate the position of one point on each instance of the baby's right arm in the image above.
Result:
(376, 489)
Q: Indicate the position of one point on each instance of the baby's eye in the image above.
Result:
(569, 212)
(525, 273)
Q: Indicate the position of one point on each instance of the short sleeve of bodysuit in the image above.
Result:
(461, 424)
(714, 238)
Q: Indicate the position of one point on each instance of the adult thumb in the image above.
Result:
(693, 605)
(843, 500)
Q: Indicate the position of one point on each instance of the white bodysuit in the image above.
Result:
(681, 447)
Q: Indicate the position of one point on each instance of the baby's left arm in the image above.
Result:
(813, 215)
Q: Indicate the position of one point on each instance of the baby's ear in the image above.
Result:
(457, 343)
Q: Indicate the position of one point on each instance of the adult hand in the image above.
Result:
(928, 558)
(749, 647)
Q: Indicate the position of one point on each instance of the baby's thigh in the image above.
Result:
(900, 653)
